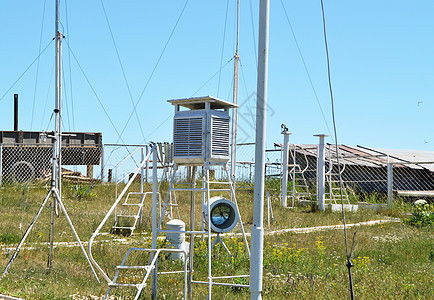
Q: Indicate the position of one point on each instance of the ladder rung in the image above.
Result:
(136, 285)
(132, 204)
(135, 267)
(128, 216)
(120, 227)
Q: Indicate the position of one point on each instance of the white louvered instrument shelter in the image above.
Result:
(201, 133)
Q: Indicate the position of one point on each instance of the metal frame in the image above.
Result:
(149, 268)
(112, 209)
(205, 190)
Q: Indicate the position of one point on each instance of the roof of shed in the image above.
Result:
(371, 157)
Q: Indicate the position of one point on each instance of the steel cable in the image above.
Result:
(349, 254)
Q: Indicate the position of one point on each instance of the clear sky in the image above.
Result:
(381, 52)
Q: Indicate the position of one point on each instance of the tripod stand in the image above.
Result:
(54, 193)
(55, 190)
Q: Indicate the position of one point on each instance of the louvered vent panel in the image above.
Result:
(220, 136)
(187, 137)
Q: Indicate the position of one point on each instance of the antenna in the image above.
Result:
(235, 96)
(55, 191)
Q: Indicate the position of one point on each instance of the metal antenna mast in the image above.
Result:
(55, 190)
(257, 242)
(235, 96)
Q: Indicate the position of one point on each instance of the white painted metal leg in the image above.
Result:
(154, 220)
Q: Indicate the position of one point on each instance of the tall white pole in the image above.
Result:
(256, 261)
(58, 99)
(154, 217)
(284, 193)
(235, 110)
(320, 172)
(56, 169)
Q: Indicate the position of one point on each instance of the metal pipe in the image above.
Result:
(102, 164)
(389, 182)
(58, 100)
(235, 96)
(257, 241)
(15, 112)
(142, 196)
(284, 193)
(192, 217)
(320, 171)
(147, 165)
(56, 170)
(208, 196)
(154, 219)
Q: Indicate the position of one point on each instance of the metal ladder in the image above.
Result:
(130, 213)
(334, 193)
(152, 266)
(300, 187)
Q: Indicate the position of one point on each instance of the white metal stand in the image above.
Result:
(55, 191)
(205, 190)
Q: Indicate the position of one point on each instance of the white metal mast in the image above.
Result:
(257, 242)
(57, 147)
(235, 96)
(55, 190)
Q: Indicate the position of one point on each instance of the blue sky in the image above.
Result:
(381, 56)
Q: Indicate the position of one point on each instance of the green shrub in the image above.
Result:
(422, 215)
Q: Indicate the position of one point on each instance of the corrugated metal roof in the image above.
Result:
(421, 158)
(371, 157)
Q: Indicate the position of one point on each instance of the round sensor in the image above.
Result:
(223, 216)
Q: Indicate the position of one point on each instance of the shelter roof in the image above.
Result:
(199, 103)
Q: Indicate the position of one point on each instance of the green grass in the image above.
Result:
(391, 261)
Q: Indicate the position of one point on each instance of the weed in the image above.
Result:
(83, 193)
(423, 214)
(8, 238)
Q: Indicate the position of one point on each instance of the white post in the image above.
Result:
(154, 218)
(102, 163)
(208, 221)
(1, 163)
(389, 183)
(294, 163)
(284, 189)
(142, 158)
(257, 240)
(320, 172)
(147, 165)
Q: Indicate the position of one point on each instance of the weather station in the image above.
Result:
(201, 146)
(201, 138)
